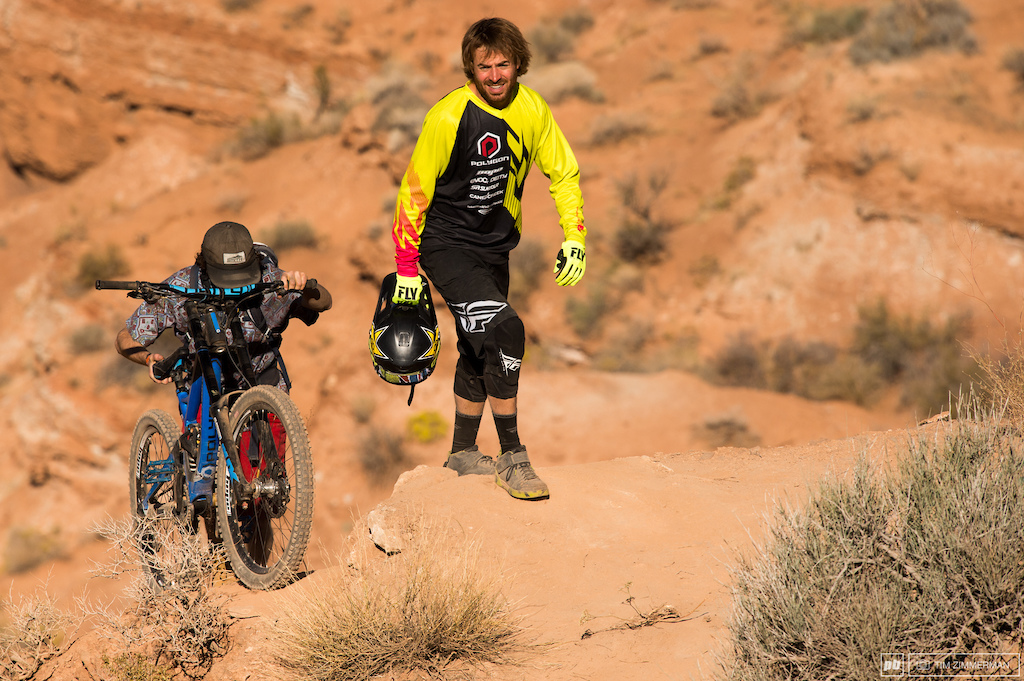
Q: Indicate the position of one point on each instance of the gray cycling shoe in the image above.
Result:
(470, 462)
(514, 473)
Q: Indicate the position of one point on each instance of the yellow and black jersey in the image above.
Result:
(465, 180)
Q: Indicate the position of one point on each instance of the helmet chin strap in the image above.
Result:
(412, 390)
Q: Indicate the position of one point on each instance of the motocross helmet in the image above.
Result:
(404, 339)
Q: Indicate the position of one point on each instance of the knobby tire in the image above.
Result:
(265, 539)
(156, 486)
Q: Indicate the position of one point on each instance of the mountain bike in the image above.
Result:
(238, 457)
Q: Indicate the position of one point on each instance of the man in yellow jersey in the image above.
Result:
(459, 215)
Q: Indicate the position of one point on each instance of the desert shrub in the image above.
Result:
(727, 430)
(322, 86)
(400, 108)
(740, 363)
(612, 129)
(895, 345)
(231, 202)
(704, 269)
(426, 427)
(642, 235)
(791, 361)
(238, 5)
(288, 234)
(923, 559)
(100, 263)
(416, 612)
(135, 667)
(559, 82)
(295, 17)
(33, 629)
(1013, 61)
(624, 351)
(89, 338)
(905, 28)
(847, 378)
(586, 314)
(527, 263)
(382, 456)
(550, 42)
(27, 547)
(861, 109)
(825, 25)
(709, 45)
(742, 172)
(259, 137)
(362, 408)
(1001, 379)
(338, 27)
(178, 626)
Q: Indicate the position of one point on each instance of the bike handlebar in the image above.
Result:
(162, 289)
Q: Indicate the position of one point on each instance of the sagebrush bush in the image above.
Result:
(175, 621)
(33, 629)
(419, 610)
(905, 28)
(825, 25)
(527, 263)
(923, 559)
(586, 313)
(100, 263)
(927, 359)
(1013, 61)
(382, 456)
(642, 236)
(288, 234)
(89, 338)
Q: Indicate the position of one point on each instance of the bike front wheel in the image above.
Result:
(156, 494)
(266, 536)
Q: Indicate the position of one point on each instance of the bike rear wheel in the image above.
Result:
(265, 538)
(156, 494)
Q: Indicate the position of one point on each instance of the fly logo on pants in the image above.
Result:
(474, 317)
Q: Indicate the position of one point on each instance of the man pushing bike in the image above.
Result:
(240, 436)
(229, 260)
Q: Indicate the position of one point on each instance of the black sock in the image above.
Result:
(466, 428)
(508, 431)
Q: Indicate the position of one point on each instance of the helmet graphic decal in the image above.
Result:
(435, 342)
(474, 317)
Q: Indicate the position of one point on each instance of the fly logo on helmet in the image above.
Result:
(404, 339)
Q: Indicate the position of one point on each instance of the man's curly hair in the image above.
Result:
(495, 35)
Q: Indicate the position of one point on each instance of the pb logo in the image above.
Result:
(488, 145)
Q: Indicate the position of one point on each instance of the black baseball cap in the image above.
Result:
(231, 260)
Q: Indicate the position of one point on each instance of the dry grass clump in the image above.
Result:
(421, 610)
(1002, 380)
(924, 559)
(32, 630)
(176, 621)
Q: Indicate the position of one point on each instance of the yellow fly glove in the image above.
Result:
(571, 263)
(408, 290)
